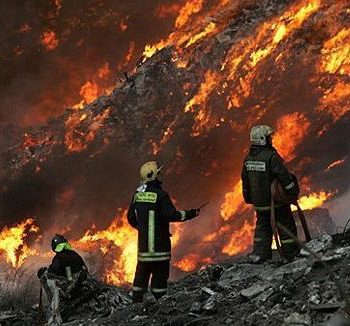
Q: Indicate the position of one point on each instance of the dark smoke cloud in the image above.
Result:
(37, 83)
(76, 190)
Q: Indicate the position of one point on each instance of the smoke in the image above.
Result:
(50, 49)
(195, 120)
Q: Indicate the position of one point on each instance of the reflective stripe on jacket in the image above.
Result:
(150, 212)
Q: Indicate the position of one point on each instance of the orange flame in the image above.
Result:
(12, 242)
(336, 53)
(188, 263)
(291, 130)
(336, 101)
(121, 234)
(233, 202)
(208, 29)
(240, 241)
(313, 200)
(191, 8)
(203, 118)
(89, 91)
(264, 43)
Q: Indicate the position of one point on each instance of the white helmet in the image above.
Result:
(259, 134)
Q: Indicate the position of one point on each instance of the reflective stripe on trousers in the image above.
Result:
(286, 241)
(138, 289)
(157, 290)
(151, 230)
(69, 273)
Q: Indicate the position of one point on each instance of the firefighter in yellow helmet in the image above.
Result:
(150, 212)
(261, 166)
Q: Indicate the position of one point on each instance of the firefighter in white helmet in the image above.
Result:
(150, 212)
(261, 166)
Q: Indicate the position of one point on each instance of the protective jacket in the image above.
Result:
(261, 166)
(66, 263)
(150, 212)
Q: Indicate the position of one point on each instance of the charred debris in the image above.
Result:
(237, 292)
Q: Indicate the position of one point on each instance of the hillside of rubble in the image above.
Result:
(190, 103)
(238, 292)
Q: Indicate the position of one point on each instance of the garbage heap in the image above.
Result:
(305, 291)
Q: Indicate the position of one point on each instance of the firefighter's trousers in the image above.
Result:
(159, 271)
(263, 233)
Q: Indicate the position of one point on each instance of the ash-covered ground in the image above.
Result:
(237, 292)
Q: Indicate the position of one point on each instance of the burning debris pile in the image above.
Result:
(190, 103)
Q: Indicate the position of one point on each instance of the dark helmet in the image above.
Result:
(56, 240)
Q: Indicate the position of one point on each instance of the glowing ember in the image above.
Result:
(130, 52)
(12, 242)
(123, 26)
(334, 164)
(104, 71)
(75, 139)
(49, 40)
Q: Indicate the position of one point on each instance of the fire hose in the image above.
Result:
(278, 194)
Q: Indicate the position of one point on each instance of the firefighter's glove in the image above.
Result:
(192, 213)
(41, 271)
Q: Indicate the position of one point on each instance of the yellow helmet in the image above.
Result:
(149, 171)
(259, 134)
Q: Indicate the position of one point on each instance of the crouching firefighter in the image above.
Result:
(150, 212)
(261, 167)
(62, 280)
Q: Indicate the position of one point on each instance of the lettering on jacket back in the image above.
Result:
(255, 166)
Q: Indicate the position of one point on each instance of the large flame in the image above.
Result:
(291, 130)
(122, 235)
(13, 245)
(241, 240)
(313, 200)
